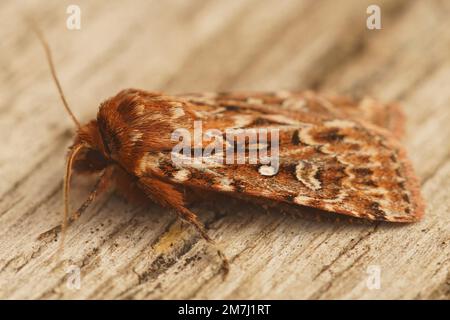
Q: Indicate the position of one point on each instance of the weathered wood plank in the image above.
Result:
(129, 252)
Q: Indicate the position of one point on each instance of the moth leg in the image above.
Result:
(99, 187)
(168, 196)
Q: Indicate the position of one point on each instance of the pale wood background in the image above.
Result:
(176, 46)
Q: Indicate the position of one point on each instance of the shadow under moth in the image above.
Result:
(336, 153)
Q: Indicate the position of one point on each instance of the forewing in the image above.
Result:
(231, 105)
(327, 160)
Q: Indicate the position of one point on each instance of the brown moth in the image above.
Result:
(336, 154)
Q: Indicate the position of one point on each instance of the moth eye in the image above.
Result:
(96, 160)
(91, 160)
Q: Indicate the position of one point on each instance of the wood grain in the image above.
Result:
(125, 251)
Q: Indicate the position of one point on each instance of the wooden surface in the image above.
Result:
(126, 251)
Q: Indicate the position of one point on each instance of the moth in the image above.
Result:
(336, 153)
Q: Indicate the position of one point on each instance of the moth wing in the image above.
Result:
(327, 160)
(336, 165)
(295, 104)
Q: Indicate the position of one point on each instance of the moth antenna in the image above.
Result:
(48, 54)
(72, 154)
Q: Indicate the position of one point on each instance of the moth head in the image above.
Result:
(94, 156)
